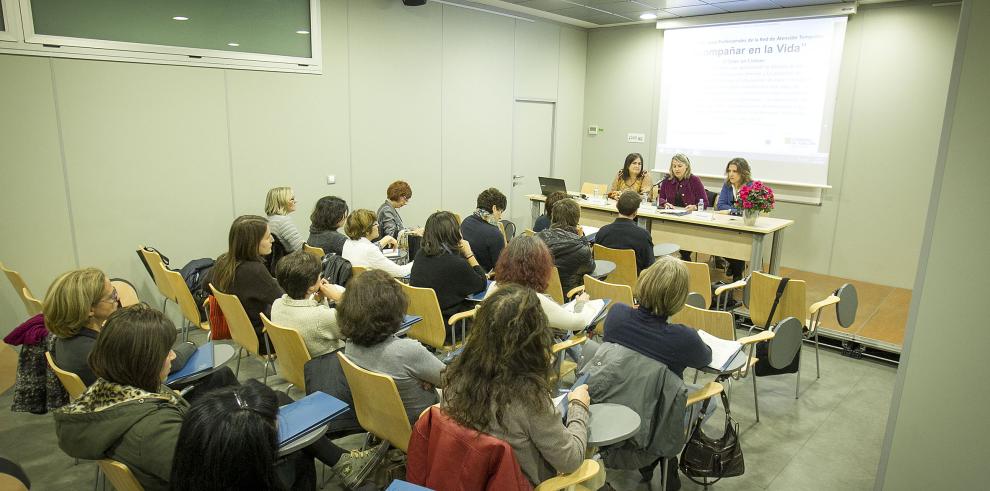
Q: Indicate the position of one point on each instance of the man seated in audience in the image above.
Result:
(568, 245)
(481, 230)
(623, 233)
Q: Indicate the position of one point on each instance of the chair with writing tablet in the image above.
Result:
(126, 293)
(846, 303)
(597, 289)
(154, 262)
(700, 280)
(316, 252)
(554, 288)
(625, 264)
(431, 331)
(292, 352)
(22, 290)
(377, 404)
(241, 330)
(120, 475)
(187, 304)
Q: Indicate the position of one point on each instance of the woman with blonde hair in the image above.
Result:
(682, 189)
(361, 229)
(76, 306)
(278, 204)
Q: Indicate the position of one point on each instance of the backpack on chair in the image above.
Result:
(278, 252)
(336, 269)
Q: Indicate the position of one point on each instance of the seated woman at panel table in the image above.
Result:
(499, 385)
(278, 204)
(526, 261)
(737, 175)
(362, 229)
(446, 264)
(543, 221)
(682, 189)
(241, 271)
(570, 249)
(304, 306)
(370, 314)
(632, 177)
(328, 216)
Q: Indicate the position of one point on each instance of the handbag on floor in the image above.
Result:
(713, 458)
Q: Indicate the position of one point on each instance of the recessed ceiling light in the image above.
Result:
(233, 44)
(179, 17)
(302, 32)
(648, 16)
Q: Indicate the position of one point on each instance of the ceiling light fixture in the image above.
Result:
(648, 16)
(179, 17)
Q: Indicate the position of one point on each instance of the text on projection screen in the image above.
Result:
(762, 91)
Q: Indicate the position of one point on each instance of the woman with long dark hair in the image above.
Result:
(500, 385)
(446, 264)
(632, 177)
(327, 217)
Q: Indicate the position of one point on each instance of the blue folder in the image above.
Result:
(200, 361)
(303, 416)
(562, 406)
(407, 323)
(400, 485)
(477, 297)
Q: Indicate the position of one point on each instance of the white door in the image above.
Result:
(532, 156)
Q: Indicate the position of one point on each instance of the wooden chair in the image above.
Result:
(316, 252)
(377, 404)
(561, 365)
(30, 302)
(157, 266)
(187, 304)
(846, 303)
(241, 330)
(72, 383)
(431, 330)
(700, 280)
(126, 293)
(625, 264)
(554, 288)
(292, 352)
(22, 290)
(588, 188)
(119, 475)
(357, 271)
(599, 289)
(529, 232)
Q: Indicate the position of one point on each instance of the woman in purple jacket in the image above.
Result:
(682, 189)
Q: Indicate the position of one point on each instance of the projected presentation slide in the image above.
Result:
(763, 91)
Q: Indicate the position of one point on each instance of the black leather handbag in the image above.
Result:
(713, 458)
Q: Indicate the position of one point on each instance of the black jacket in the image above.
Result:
(623, 233)
(571, 254)
(486, 240)
(451, 277)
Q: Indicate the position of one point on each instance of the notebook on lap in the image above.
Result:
(200, 361)
(303, 416)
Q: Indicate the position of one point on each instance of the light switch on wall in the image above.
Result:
(331, 179)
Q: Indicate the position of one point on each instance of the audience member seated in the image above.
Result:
(446, 264)
(304, 306)
(527, 262)
(280, 202)
(127, 414)
(481, 228)
(737, 175)
(623, 233)
(242, 272)
(499, 385)
(328, 216)
(362, 230)
(570, 249)
(370, 313)
(397, 195)
(543, 221)
(75, 307)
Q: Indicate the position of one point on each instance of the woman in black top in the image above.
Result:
(328, 215)
(446, 264)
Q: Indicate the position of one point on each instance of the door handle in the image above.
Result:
(516, 176)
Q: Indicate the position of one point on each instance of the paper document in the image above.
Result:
(591, 311)
(705, 215)
(390, 253)
(589, 230)
(674, 212)
(723, 350)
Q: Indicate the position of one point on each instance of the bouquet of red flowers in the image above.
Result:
(755, 196)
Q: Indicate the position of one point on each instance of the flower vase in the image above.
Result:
(750, 216)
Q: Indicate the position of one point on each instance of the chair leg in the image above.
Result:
(96, 480)
(818, 370)
(663, 474)
(265, 380)
(237, 371)
(797, 379)
(756, 398)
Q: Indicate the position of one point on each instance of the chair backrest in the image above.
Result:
(700, 280)
(625, 264)
(183, 297)
(505, 236)
(600, 289)
(291, 349)
(357, 271)
(508, 229)
(718, 323)
(241, 330)
(119, 475)
(154, 261)
(763, 288)
(316, 252)
(377, 404)
(423, 302)
(529, 232)
(589, 188)
(33, 305)
(72, 383)
(125, 292)
(554, 288)
(21, 287)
